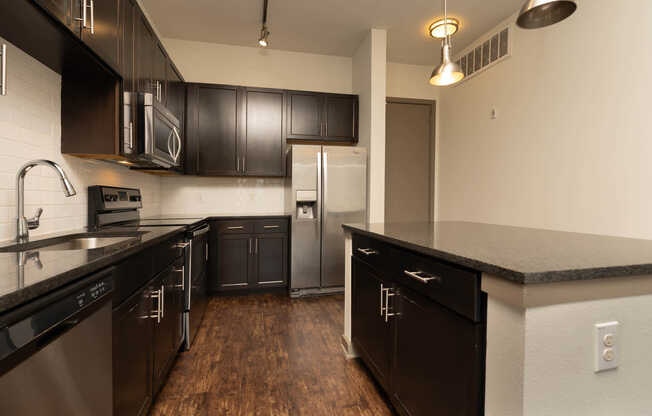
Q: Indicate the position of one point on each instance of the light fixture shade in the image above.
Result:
(442, 27)
(448, 72)
(540, 13)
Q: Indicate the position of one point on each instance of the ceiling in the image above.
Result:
(330, 27)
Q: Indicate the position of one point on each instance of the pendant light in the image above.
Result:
(448, 72)
(541, 13)
(264, 33)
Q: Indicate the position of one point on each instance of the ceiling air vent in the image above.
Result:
(487, 51)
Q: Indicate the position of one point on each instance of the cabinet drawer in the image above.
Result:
(373, 252)
(453, 287)
(271, 226)
(166, 253)
(235, 227)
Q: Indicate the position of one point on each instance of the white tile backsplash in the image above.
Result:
(30, 128)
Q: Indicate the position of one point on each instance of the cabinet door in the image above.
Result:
(127, 19)
(438, 360)
(233, 252)
(175, 94)
(341, 118)
(305, 115)
(269, 262)
(369, 331)
(216, 130)
(165, 330)
(60, 9)
(144, 54)
(104, 39)
(132, 355)
(264, 145)
(159, 77)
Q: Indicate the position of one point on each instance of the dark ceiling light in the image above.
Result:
(541, 13)
(263, 40)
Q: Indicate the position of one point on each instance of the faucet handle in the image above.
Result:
(34, 222)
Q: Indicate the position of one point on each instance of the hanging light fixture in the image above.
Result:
(540, 13)
(448, 72)
(264, 33)
(441, 28)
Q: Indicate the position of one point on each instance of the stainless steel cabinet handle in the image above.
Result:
(269, 227)
(206, 251)
(182, 270)
(239, 227)
(157, 295)
(387, 312)
(92, 2)
(423, 277)
(3, 70)
(367, 251)
(237, 161)
(181, 245)
(84, 6)
(131, 135)
(162, 301)
(249, 243)
(382, 299)
(256, 247)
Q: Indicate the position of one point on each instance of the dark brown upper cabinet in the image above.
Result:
(321, 117)
(101, 31)
(159, 77)
(144, 54)
(235, 131)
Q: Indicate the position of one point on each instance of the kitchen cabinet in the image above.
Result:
(62, 10)
(132, 355)
(422, 382)
(144, 54)
(175, 93)
(102, 30)
(322, 117)
(235, 131)
(159, 77)
(248, 254)
(370, 332)
(402, 303)
(168, 330)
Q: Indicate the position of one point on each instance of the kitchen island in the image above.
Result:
(533, 298)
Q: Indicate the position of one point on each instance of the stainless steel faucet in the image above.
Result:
(25, 224)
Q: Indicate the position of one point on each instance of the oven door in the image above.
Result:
(162, 141)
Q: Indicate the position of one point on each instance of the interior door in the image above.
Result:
(264, 141)
(344, 201)
(409, 159)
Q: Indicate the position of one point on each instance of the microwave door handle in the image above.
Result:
(178, 153)
(170, 151)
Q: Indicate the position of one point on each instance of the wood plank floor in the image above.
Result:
(270, 355)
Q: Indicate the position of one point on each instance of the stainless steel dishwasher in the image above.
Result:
(55, 352)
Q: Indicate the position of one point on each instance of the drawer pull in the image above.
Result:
(239, 227)
(270, 226)
(422, 277)
(367, 251)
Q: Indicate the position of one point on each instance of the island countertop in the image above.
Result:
(522, 255)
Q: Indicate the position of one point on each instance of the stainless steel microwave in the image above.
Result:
(158, 133)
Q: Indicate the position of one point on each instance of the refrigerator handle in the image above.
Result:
(320, 196)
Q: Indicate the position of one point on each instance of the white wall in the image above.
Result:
(257, 67)
(30, 128)
(370, 83)
(411, 81)
(571, 147)
(237, 65)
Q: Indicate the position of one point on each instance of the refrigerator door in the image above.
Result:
(306, 216)
(344, 201)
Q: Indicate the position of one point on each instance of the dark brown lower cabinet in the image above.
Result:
(370, 332)
(249, 254)
(132, 350)
(437, 359)
(418, 339)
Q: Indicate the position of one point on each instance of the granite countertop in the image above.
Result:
(522, 255)
(20, 284)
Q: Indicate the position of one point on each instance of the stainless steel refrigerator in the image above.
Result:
(328, 187)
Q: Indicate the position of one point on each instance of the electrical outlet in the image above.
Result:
(607, 348)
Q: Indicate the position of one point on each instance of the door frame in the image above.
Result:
(432, 145)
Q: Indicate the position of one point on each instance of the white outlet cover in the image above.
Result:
(607, 346)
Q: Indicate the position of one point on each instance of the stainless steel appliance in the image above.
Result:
(159, 140)
(55, 352)
(111, 207)
(328, 187)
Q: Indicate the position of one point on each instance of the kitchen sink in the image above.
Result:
(82, 241)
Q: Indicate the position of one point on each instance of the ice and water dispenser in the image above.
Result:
(306, 204)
